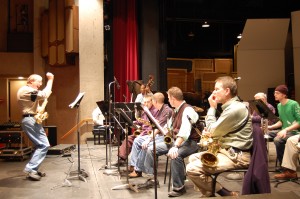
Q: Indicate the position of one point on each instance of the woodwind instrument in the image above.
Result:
(41, 115)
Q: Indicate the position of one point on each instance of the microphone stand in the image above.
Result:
(109, 170)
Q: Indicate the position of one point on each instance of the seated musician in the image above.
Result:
(98, 117)
(184, 143)
(290, 158)
(233, 131)
(141, 143)
(255, 116)
(289, 121)
(145, 90)
(143, 121)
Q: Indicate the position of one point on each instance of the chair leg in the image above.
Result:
(166, 169)
(213, 184)
(170, 176)
(284, 181)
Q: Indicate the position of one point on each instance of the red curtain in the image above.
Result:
(125, 44)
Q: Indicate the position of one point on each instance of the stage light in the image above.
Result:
(205, 25)
(239, 36)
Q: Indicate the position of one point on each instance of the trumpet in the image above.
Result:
(209, 158)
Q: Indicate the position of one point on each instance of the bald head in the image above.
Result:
(159, 97)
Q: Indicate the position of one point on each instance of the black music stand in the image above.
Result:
(80, 173)
(262, 109)
(104, 107)
(128, 122)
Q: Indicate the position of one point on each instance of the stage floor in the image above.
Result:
(13, 183)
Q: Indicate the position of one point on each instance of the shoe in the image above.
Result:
(286, 175)
(177, 193)
(41, 173)
(130, 168)
(279, 169)
(135, 174)
(33, 175)
(234, 193)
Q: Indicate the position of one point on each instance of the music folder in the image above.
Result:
(262, 109)
(77, 101)
(103, 106)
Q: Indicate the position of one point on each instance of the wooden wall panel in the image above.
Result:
(223, 65)
(45, 34)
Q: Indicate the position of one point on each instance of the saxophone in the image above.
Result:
(209, 158)
(41, 115)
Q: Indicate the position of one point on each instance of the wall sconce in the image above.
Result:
(239, 36)
(205, 25)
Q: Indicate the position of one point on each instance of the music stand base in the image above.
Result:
(81, 175)
(132, 187)
(111, 172)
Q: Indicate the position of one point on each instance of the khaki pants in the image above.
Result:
(200, 174)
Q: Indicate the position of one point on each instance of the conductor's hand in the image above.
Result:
(50, 76)
(173, 153)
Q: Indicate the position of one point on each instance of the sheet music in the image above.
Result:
(78, 99)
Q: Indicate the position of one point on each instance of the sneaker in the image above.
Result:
(177, 193)
(135, 174)
(286, 175)
(33, 175)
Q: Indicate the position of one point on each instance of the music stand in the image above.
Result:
(262, 109)
(104, 107)
(128, 122)
(160, 128)
(80, 173)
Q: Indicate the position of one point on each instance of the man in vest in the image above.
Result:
(184, 142)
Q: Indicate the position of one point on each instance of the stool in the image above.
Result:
(98, 132)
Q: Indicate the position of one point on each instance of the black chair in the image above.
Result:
(98, 132)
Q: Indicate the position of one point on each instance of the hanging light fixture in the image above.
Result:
(239, 36)
(205, 25)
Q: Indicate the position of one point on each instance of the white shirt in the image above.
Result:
(98, 117)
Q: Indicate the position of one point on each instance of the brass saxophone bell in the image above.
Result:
(209, 158)
(168, 139)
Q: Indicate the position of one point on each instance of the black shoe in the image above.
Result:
(177, 193)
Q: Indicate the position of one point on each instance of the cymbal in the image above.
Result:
(198, 109)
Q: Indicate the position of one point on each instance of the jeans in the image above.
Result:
(177, 165)
(38, 137)
(280, 144)
(138, 155)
